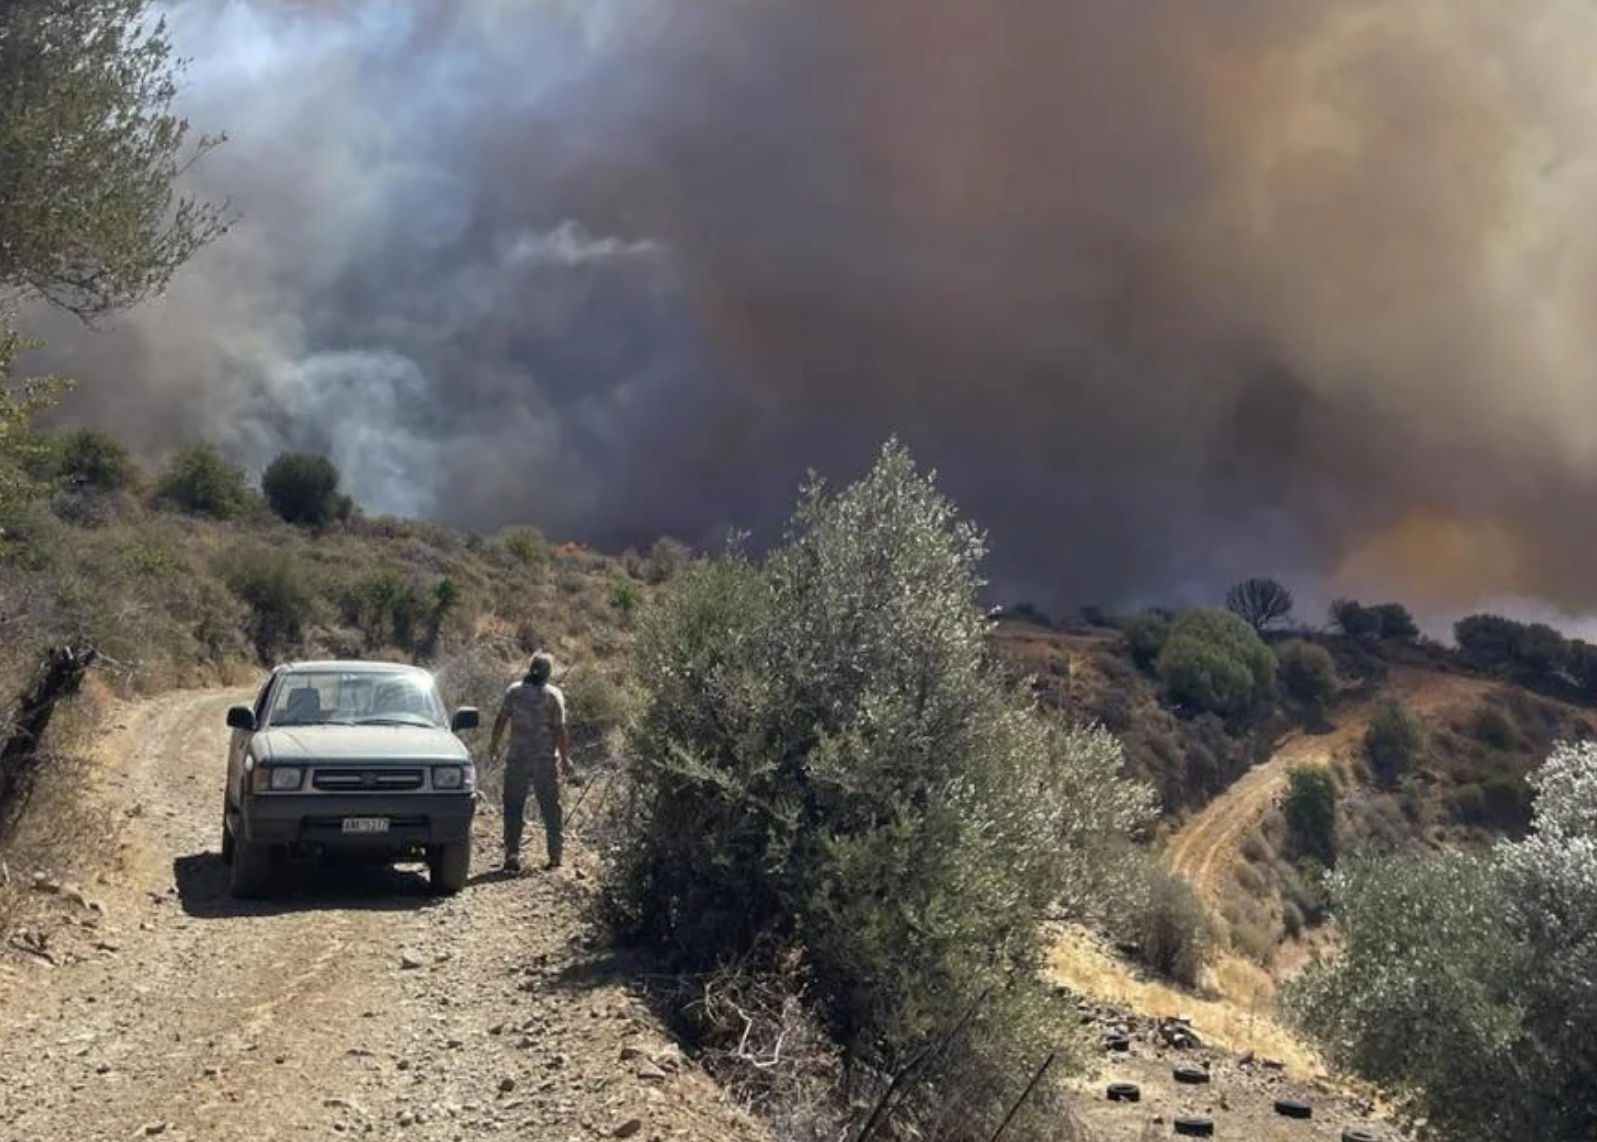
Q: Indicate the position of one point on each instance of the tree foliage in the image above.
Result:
(1145, 635)
(1466, 983)
(22, 451)
(1393, 741)
(1308, 674)
(830, 770)
(201, 481)
(303, 489)
(1261, 603)
(89, 153)
(1310, 810)
(1391, 621)
(89, 458)
(1214, 662)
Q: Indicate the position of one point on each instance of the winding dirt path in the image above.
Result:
(1206, 851)
(174, 1012)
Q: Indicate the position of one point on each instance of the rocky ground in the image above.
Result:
(146, 1003)
(1184, 1087)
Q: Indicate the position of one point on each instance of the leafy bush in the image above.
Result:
(1492, 727)
(1393, 741)
(1487, 642)
(1310, 810)
(88, 458)
(303, 489)
(1214, 661)
(1172, 931)
(201, 481)
(1307, 675)
(273, 584)
(525, 546)
(828, 769)
(1393, 621)
(1390, 621)
(1465, 985)
(1259, 602)
(1145, 635)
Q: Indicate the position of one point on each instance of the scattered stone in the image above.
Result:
(151, 1129)
(506, 1085)
(650, 1073)
(628, 1128)
(631, 1051)
(409, 961)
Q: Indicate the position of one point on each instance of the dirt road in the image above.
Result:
(1206, 851)
(357, 1003)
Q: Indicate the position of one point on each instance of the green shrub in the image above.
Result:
(88, 458)
(1393, 621)
(1213, 661)
(1492, 727)
(1145, 635)
(829, 770)
(624, 598)
(1310, 810)
(303, 489)
(1393, 742)
(1307, 675)
(1488, 642)
(525, 546)
(1354, 620)
(273, 584)
(1261, 603)
(1172, 932)
(201, 481)
(1465, 984)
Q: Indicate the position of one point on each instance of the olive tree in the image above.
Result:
(1466, 983)
(90, 151)
(834, 786)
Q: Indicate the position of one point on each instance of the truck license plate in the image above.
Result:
(365, 824)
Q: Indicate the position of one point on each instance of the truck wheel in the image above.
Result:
(448, 865)
(227, 840)
(251, 870)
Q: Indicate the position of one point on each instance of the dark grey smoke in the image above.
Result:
(1170, 291)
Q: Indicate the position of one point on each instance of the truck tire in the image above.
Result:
(227, 840)
(1293, 1108)
(1359, 1134)
(1124, 1092)
(1187, 1073)
(251, 870)
(448, 866)
(1195, 1127)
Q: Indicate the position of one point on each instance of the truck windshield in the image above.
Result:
(353, 697)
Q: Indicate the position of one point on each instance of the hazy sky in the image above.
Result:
(1169, 291)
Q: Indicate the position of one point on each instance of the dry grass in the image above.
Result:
(65, 829)
(1235, 1008)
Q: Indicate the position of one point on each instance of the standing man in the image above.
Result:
(540, 753)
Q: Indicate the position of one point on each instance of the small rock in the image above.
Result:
(506, 1085)
(631, 1052)
(650, 1073)
(409, 961)
(628, 1128)
(151, 1129)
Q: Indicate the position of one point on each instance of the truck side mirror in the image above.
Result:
(466, 718)
(241, 718)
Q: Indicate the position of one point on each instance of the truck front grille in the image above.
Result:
(367, 780)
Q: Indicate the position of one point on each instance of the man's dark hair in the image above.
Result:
(539, 669)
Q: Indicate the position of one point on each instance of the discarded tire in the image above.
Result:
(1187, 1073)
(1359, 1134)
(1195, 1127)
(1125, 1092)
(1114, 1041)
(1292, 1108)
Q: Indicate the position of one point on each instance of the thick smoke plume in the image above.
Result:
(1170, 291)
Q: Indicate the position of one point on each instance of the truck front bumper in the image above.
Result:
(415, 820)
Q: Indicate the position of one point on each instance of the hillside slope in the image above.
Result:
(152, 1004)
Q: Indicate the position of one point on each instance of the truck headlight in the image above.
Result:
(449, 777)
(278, 778)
